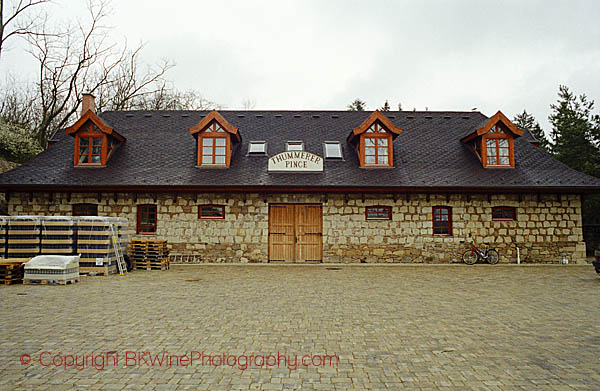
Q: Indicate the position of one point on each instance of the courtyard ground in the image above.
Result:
(234, 327)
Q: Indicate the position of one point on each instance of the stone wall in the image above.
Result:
(546, 229)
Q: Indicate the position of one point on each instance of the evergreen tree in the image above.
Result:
(385, 107)
(527, 121)
(357, 105)
(575, 132)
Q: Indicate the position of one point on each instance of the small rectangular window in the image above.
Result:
(294, 146)
(442, 220)
(146, 219)
(85, 210)
(378, 212)
(211, 212)
(257, 148)
(333, 150)
(504, 213)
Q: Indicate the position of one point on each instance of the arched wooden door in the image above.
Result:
(295, 233)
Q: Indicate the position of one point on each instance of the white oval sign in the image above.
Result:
(296, 161)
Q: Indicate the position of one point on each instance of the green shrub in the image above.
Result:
(17, 143)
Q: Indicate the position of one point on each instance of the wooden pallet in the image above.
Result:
(160, 264)
(50, 282)
(11, 272)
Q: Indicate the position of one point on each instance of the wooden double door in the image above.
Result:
(295, 232)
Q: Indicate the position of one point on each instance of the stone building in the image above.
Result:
(311, 186)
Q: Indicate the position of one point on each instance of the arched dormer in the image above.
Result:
(373, 141)
(94, 140)
(215, 138)
(493, 143)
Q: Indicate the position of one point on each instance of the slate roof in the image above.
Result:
(160, 153)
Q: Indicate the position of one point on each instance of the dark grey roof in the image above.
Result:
(160, 152)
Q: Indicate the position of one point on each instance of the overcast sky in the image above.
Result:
(443, 55)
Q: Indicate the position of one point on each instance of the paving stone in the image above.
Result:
(390, 328)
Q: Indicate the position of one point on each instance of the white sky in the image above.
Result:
(444, 55)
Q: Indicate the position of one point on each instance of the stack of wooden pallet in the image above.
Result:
(58, 235)
(11, 271)
(95, 245)
(150, 254)
(23, 238)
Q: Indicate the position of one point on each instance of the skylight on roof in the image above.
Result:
(257, 148)
(333, 150)
(294, 146)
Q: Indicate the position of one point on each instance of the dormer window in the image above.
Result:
(90, 150)
(294, 146)
(373, 141)
(215, 146)
(94, 140)
(215, 138)
(498, 146)
(493, 143)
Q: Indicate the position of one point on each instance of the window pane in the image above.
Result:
(371, 129)
(219, 159)
(96, 150)
(207, 142)
(369, 151)
(504, 160)
(96, 159)
(208, 212)
(220, 151)
(220, 142)
(491, 160)
(503, 143)
(295, 147)
(333, 150)
(97, 141)
(84, 141)
(257, 147)
(207, 150)
(370, 159)
(503, 151)
(83, 158)
(491, 143)
(382, 151)
(383, 160)
(369, 142)
(207, 159)
(382, 142)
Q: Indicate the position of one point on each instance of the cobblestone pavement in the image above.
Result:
(392, 327)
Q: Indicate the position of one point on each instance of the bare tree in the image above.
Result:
(80, 59)
(18, 20)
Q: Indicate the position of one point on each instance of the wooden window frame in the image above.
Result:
(497, 136)
(433, 213)
(90, 133)
(512, 209)
(376, 135)
(221, 217)
(84, 206)
(210, 133)
(140, 211)
(388, 213)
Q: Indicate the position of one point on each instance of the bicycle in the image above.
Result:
(490, 255)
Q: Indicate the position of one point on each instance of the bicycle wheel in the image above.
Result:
(469, 257)
(493, 257)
